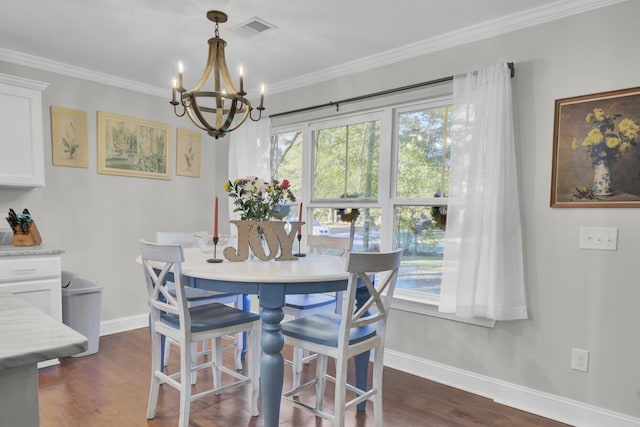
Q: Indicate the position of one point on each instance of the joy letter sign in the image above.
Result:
(277, 239)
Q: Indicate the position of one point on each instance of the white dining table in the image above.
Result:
(270, 281)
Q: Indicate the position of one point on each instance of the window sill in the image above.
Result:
(429, 309)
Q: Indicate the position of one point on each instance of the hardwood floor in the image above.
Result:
(111, 388)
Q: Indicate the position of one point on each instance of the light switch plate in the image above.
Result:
(599, 238)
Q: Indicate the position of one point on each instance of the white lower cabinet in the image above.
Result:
(35, 279)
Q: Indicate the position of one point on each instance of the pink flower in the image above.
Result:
(285, 184)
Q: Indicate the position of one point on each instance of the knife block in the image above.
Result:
(30, 239)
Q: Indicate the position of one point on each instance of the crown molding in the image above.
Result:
(484, 30)
(78, 72)
(516, 21)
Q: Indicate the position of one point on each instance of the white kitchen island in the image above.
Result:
(28, 336)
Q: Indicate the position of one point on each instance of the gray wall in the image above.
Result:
(98, 219)
(577, 298)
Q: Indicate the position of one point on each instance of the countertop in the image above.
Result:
(8, 250)
(28, 335)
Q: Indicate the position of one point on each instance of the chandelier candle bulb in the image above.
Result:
(241, 72)
(180, 74)
(174, 86)
(260, 107)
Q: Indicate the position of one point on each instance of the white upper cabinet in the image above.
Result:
(21, 132)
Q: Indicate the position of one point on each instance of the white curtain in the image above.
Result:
(483, 259)
(249, 153)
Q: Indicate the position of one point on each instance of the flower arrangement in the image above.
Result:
(602, 143)
(256, 199)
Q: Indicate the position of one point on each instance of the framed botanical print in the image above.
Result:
(596, 158)
(188, 153)
(69, 145)
(133, 147)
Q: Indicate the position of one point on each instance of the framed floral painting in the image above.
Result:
(133, 147)
(596, 157)
(69, 137)
(188, 153)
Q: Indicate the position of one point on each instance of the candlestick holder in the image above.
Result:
(299, 254)
(215, 259)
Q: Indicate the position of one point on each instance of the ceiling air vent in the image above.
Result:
(254, 26)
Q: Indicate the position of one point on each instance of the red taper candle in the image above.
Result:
(300, 218)
(215, 219)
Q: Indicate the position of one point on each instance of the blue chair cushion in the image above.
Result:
(324, 329)
(301, 302)
(211, 316)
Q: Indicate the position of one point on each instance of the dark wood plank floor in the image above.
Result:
(111, 388)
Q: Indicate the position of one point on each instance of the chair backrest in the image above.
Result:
(378, 271)
(186, 239)
(161, 263)
(328, 245)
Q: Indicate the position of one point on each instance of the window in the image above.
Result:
(391, 168)
(345, 161)
(421, 184)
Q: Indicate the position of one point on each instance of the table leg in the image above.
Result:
(271, 361)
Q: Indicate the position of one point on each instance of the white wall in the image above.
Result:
(577, 298)
(98, 219)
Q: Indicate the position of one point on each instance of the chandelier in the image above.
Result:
(224, 109)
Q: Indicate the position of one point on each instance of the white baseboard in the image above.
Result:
(122, 324)
(547, 405)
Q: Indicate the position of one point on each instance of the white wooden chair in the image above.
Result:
(170, 316)
(303, 305)
(200, 296)
(345, 336)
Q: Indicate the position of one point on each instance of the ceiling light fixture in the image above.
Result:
(227, 105)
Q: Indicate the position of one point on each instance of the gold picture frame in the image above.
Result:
(596, 155)
(188, 153)
(133, 147)
(69, 145)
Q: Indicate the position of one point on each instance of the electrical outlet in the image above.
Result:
(580, 360)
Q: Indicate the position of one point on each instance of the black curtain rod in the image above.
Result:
(376, 94)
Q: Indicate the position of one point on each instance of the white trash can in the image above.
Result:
(81, 303)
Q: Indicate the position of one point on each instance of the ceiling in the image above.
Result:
(142, 40)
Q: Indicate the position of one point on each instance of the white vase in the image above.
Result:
(602, 183)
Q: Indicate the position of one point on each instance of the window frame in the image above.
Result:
(404, 299)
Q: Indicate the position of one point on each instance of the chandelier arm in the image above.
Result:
(224, 70)
(230, 116)
(175, 110)
(195, 111)
(205, 126)
(244, 119)
(259, 114)
(211, 60)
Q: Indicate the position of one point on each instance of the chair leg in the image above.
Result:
(296, 366)
(156, 349)
(340, 391)
(377, 385)
(238, 351)
(253, 367)
(185, 384)
(216, 351)
(321, 373)
(194, 361)
(167, 351)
